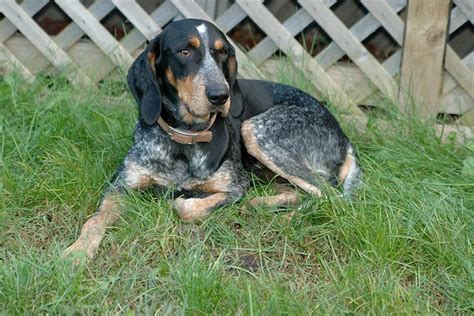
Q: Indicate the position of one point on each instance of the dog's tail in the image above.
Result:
(353, 179)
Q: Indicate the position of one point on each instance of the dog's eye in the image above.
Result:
(184, 53)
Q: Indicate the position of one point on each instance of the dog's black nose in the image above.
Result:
(217, 95)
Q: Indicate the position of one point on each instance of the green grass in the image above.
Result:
(402, 246)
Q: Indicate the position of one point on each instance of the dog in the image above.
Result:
(200, 130)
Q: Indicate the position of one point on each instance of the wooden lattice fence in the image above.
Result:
(348, 83)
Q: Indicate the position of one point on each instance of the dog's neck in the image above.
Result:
(170, 114)
(188, 137)
(181, 132)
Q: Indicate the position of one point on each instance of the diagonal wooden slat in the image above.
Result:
(285, 41)
(387, 17)
(457, 19)
(361, 30)
(455, 99)
(135, 14)
(450, 83)
(208, 6)
(353, 48)
(96, 31)
(15, 63)
(135, 40)
(72, 33)
(468, 120)
(456, 68)
(392, 65)
(294, 24)
(266, 47)
(189, 9)
(467, 7)
(162, 15)
(31, 7)
(396, 27)
(7, 29)
(230, 18)
(328, 56)
(43, 43)
(68, 36)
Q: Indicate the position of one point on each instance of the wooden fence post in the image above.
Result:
(423, 54)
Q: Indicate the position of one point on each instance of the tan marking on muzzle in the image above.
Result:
(225, 108)
(192, 92)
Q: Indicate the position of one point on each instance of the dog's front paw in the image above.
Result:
(190, 209)
(80, 252)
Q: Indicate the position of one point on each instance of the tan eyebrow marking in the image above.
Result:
(194, 41)
(219, 44)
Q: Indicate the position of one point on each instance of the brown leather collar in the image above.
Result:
(188, 137)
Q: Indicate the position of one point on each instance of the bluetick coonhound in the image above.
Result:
(200, 129)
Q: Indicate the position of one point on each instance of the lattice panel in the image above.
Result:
(346, 83)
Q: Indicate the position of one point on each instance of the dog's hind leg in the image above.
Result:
(254, 149)
(285, 197)
(299, 143)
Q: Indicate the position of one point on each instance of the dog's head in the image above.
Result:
(190, 64)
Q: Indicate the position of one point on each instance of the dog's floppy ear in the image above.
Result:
(142, 82)
(236, 106)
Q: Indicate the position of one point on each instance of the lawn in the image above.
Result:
(403, 245)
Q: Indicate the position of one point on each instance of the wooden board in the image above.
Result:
(424, 47)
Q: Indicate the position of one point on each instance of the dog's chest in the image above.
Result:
(171, 167)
